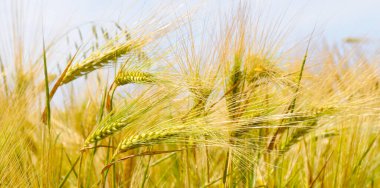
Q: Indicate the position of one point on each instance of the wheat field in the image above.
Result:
(160, 105)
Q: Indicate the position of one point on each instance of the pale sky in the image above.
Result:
(336, 18)
(333, 20)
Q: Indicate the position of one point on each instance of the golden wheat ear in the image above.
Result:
(128, 114)
(149, 138)
(110, 53)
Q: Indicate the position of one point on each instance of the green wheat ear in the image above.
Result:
(127, 77)
(233, 89)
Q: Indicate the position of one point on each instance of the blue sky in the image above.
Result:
(335, 19)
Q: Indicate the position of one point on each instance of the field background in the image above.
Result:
(189, 93)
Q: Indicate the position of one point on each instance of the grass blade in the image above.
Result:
(69, 172)
(46, 119)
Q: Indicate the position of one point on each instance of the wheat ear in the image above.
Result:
(124, 117)
(149, 138)
(109, 53)
(113, 123)
(127, 77)
(311, 119)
